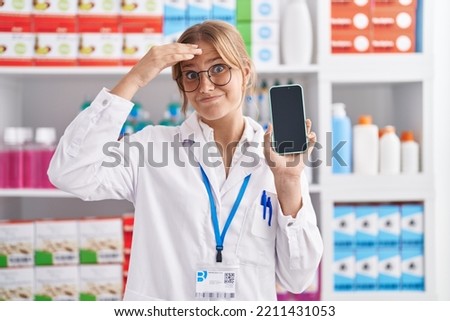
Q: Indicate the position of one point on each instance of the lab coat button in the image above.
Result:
(290, 223)
(105, 102)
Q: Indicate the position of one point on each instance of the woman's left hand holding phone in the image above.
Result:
(287, 171)
(151, 64)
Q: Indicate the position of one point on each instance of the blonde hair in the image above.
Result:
(228, 42)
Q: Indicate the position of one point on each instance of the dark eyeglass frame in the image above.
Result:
(207, 71)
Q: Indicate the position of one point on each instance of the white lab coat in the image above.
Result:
(173, 234)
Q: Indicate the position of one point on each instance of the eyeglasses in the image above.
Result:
(219, 75)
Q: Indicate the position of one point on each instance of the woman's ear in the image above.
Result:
(247, 74)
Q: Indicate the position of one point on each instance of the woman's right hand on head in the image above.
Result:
(161, 57)
(151, 64)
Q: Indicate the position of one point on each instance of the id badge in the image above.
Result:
(216, 283)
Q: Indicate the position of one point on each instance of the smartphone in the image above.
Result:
(287, 110)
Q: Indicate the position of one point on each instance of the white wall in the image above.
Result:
(442, 144)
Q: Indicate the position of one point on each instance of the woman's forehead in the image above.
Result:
(209, 55)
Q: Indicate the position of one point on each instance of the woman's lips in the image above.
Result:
(209, 99)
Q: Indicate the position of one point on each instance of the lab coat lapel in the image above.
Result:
(194, 142)
(251, 158)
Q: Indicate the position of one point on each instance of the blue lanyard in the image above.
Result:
(220, 237)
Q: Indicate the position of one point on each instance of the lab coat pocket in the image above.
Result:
(264, 223)
(257, 241)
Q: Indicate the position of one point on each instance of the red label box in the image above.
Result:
(350, 27)
(403, 4)
(349, 41)
(393, 29)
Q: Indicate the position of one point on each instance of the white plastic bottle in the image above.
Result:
(46, 145)
(365, 146)
(409, 153)
(389, 152)
(296, 33)
(342, 140)
(251, 106)
(263, 104)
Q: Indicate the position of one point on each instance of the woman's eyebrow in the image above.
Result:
(190, 65)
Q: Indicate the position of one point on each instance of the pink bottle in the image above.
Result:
(3, 166)
(14, 139)
(28, 159)
(45, 144)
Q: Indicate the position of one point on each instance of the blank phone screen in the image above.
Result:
(288, 119)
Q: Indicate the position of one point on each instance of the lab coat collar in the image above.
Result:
(191, 133)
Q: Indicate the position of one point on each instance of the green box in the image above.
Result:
(245, 29)
(248, 46)
(243, 10)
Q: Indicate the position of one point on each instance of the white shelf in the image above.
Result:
(347, 68)
(121, 70)
(382, 296)
(24, 192)
(54, 193)
(365, 183)
(395, 88)
(65, 71)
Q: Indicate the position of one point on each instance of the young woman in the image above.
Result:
(225, 217)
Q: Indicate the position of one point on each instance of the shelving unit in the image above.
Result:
(11, 192)
(396, 89)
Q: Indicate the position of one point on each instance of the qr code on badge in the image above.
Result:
(229, 277)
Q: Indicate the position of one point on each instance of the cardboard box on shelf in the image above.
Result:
(16, 284)
(139, 37)
(55, 13)
(16, 244)
(351, 42)
(101, 282)
(56, 283)
(100, 240)
(56, 242)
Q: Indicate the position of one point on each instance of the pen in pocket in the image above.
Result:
(266, 204)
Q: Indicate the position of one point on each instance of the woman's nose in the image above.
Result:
(205, 83)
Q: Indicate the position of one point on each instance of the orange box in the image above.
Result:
(393, 42)
(393, 20)
(350, 19)
(412, 4)
(350, 4)
(350, 41)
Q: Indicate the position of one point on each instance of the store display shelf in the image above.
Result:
(379, 296)
(19, 72)
(34, 192)
(54, 193)
(367, 183)
(377, 68)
